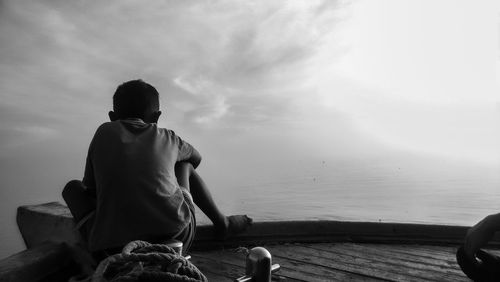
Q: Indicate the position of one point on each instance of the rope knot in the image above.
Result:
(143, 261)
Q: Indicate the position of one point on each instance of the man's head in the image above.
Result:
(136, 99)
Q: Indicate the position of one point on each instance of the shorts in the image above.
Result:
(186, 235)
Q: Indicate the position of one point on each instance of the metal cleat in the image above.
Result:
(258, 266)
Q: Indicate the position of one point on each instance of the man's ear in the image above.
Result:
(156, 115)
(112, 116)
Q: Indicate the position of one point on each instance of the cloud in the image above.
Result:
(225, 49)
(14, 137)
(20, 128)
(19, 136)
(218, 64)
(209, 102)
(232, 66)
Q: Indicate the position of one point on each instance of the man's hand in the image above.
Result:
(479, 235)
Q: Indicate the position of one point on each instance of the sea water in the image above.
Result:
(415, 191)
(436, 193)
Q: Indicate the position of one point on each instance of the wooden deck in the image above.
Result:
(328, 250)
(340, 262)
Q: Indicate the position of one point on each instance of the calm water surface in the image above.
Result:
(399, 192)
(459, 195)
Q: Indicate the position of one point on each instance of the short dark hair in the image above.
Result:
(133, 98)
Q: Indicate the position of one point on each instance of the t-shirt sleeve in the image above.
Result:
(185, 149)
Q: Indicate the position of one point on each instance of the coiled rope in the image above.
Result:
(142, 261)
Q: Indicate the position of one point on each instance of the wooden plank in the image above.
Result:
(410, 254)
(360, 263)
(337, 263)
(216, 270)
(309, 266)
(443, 253)
(419, 268)
(306, 271)
(48, 262)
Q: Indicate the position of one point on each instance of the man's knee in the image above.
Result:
(71, 188)
(77, 199)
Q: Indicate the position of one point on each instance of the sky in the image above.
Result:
(261, 88)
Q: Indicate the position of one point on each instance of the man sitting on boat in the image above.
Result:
(140, 181)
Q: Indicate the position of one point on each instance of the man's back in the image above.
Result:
(131, 165)
(134, 169)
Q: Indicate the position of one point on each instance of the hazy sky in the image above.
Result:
(419, 75)
(254, 85)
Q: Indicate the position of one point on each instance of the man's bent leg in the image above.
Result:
(78, 200)
(188, 178)
(80, 204)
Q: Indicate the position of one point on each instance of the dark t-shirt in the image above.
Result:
(131, 165)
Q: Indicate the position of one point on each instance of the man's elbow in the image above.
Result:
(195, 159)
